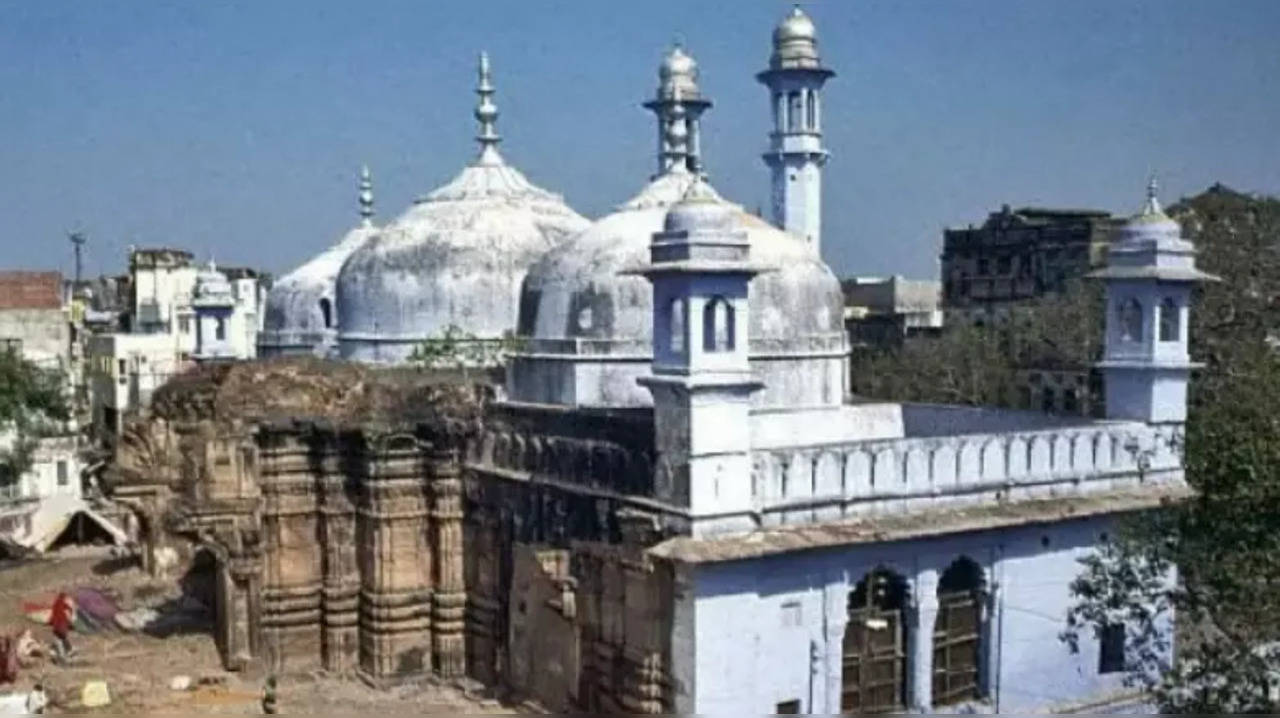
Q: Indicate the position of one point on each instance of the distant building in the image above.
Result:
(1018, 255)
(123, 370)
(33, 321)
(881, 312)
(131, 351)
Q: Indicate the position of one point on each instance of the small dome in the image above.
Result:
(700, 209)
(678, 73)
(795, 26)
(301, 310)
(1150, 222)
(795, 42)
(212, 288)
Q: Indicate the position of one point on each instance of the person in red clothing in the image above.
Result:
(60, 621)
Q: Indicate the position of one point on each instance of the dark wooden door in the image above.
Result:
(955, 648)
(874, 665)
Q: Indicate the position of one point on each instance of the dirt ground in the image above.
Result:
(138, 667)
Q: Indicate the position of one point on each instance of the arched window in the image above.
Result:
(1170, 329)
(717, 326)
(220, 329)
(811, 110)
(957, 634)
(1131, 320)
(677, 324)
(326, 312)
(779, 113)
(873, 679)
(795, 111)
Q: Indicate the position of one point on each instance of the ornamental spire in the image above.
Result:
(487, 114)
(365, 197)
(1152, 205)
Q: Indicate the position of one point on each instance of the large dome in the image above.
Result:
(578, 308)
(454, 259)
(301, 311)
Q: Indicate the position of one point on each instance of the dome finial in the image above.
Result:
(487, 114)
(1152, 205)
(365, 197)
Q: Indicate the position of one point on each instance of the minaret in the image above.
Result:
(1150, 272)
(796, 155)
(365, 197)
(702, 382)
(678, 102)
(487, 115)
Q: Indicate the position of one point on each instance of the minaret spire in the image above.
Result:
(365, 197)
(1152, 205)
(487, 114)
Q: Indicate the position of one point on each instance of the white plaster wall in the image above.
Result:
(755, 620)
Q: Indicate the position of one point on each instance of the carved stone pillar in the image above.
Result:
(340, 594)
(923, 615)
(450, 597)
(395, 603)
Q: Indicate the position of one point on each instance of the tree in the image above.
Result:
(1225, 542)
(32, 403)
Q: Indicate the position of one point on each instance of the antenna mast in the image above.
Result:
(78, 239)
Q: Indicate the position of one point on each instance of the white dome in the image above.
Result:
(577, 303)
(301, 312)
(455, 258)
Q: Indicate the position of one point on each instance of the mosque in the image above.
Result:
(673, 505)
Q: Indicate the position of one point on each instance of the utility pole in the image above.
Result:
(77, 240)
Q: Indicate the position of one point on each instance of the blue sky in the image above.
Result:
(237, 128)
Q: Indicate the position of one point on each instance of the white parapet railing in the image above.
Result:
(890, 476)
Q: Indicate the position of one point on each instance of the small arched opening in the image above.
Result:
(676, 323)
(1130, 316)
(717, 326)
(873, 674)
(1170, 322)
(957, 635)
(326, 312)
(795, 111)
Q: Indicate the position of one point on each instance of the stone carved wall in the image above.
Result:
(388, 554)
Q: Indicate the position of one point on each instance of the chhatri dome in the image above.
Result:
(301, 314)
(795, 42)
(454, 258)
(588, 323)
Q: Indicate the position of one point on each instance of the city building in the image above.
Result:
(1018, 255)
(131, 351)
(882, 312)
(33, 319)
(672, 505)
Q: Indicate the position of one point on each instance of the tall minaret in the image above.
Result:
(796, 155)
(1150, 271)
(702, 381)
(678, 102)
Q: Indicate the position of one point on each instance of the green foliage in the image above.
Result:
(32, 402)
(1224, 543)
(978, 365)
(456, 348)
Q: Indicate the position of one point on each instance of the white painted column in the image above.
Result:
(920, 642)
(835, 606)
